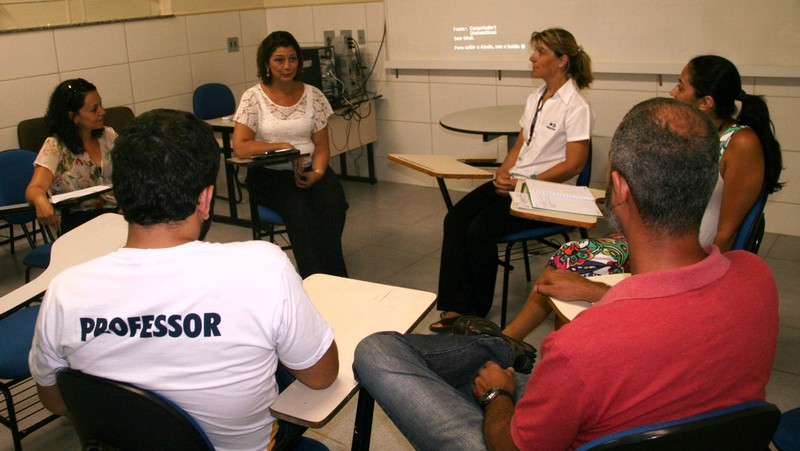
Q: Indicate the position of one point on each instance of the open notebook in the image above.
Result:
(561, 197)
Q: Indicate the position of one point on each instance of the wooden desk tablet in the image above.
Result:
(442, 167)
(98, 237)
(354, 309)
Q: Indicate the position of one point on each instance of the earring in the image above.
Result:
(269, 74)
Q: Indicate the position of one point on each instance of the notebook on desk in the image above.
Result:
(561, 197)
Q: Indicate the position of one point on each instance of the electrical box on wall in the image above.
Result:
(233, 44)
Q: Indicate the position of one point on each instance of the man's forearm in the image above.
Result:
(51, 399)
(497, 424)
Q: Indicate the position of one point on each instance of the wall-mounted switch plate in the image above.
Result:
(233, 44)
(346, 34)
(328, 35)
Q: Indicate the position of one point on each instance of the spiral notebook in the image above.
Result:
(561, 197)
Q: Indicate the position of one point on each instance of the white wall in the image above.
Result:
(158, 63)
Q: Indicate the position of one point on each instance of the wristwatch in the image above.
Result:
(493, 393)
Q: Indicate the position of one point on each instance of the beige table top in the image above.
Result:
(217, 123)
(93, 239)
(490, 120)
(354, 309)
(445, 166)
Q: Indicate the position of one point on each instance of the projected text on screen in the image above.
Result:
(481, 38)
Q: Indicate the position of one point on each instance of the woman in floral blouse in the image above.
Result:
(77, 155)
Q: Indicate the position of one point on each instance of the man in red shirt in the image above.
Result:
(691, 331)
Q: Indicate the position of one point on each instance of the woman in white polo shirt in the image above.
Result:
(553, 145)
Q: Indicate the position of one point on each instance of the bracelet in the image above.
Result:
(492, 394)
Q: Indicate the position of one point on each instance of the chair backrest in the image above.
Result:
(16, 170)
(109, 414)
(118, 117)
(31, 133)
(746, 426)
(213, 100)
(751, 231)
(586, 174)
(787, 437)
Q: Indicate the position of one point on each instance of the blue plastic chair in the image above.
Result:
(213, 100)
(269, 223)
(38, 257)
(747, 426)
(16, 171)
(539, 233)
(16, 335)
(751, 231)
(108, 414)
(787, 437)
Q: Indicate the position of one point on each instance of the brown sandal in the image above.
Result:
(444, 325)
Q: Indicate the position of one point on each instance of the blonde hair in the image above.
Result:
(562, 42)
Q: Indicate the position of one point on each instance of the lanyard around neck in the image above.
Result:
(535, 116)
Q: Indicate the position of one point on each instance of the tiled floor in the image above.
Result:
(393, 236)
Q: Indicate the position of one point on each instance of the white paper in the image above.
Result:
(78, 193)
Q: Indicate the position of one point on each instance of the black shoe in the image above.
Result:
(524, 354)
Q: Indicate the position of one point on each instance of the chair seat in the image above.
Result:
(788, 435)
(266, 214)
(533, 233)
(16, 335)
(39, 257)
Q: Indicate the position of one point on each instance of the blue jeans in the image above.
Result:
(424, 384)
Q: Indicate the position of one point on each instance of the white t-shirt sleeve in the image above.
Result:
(303, 335)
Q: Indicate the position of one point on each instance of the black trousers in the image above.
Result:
(468, 269)
(314, 217)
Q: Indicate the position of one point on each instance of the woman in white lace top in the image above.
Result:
(282, 112)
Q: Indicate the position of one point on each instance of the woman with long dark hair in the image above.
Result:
(750, 160)
(77, 155)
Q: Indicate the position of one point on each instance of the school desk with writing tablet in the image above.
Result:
(354, 309)
(442, 167)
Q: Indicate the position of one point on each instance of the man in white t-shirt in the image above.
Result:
(203, 324)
